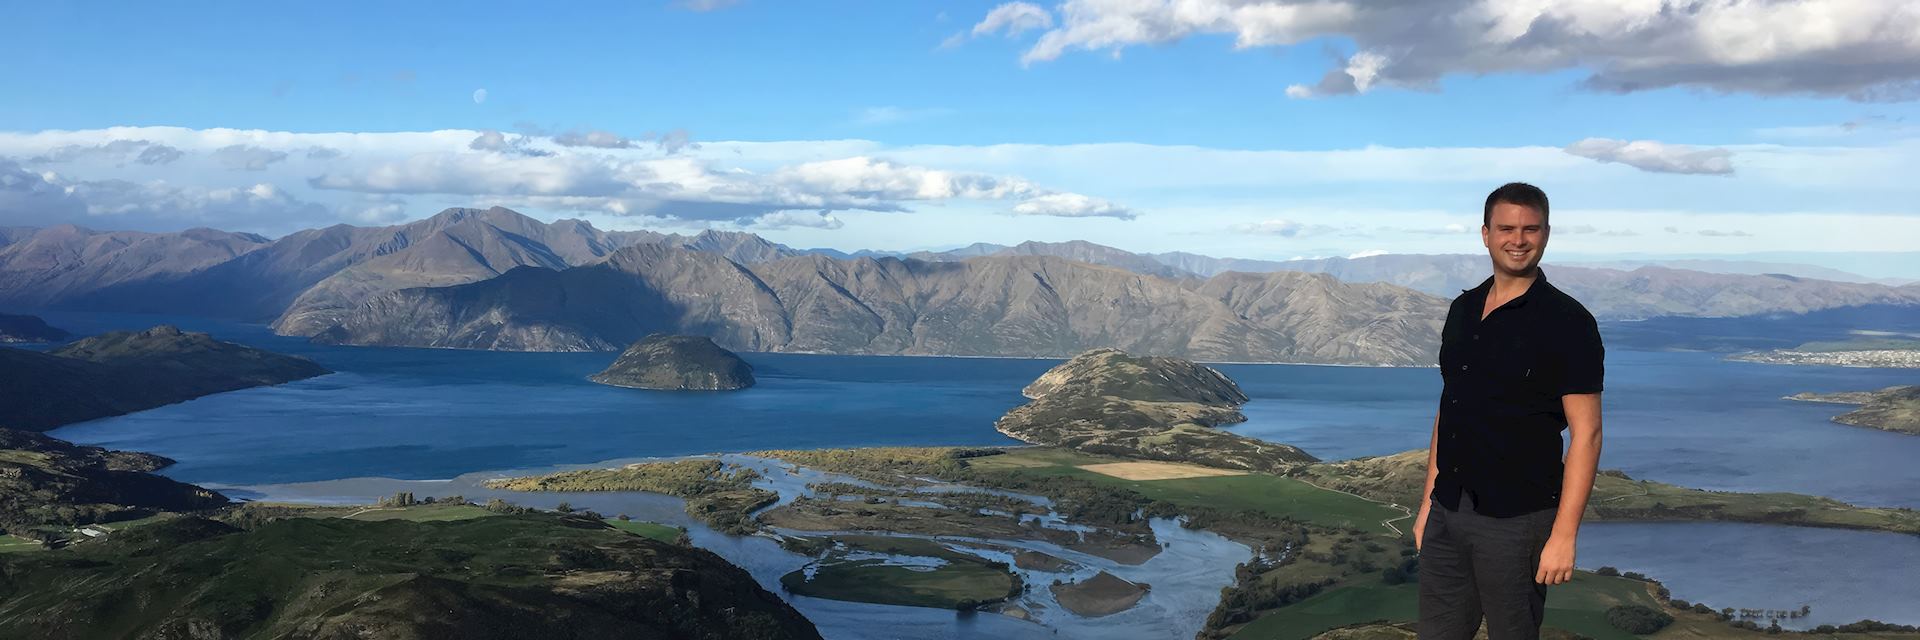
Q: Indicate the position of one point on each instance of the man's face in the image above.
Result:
(1515, 236)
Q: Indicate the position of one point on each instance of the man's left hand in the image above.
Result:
(1556, 562)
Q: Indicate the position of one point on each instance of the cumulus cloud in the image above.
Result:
(242, 157)
(1658, 157)
(318, 152)
(1367, 254)
(142, 151)
(1072, 205)
(593, 138)
(1863, 50)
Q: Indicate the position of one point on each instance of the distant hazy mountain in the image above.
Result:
(1083, 251)
(1656, 291)
(1621, 295)
(1076, 250)
(1209, 266)
(1745, 267)
(994, 306)
(63, 264)
(974, 250)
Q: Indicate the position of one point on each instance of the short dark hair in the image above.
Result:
(1519, 193)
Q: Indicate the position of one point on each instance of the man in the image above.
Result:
(1521, 362)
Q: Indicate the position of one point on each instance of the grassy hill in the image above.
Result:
(123, 372)
(507, 576)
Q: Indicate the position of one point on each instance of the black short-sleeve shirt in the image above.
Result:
(1500, 409)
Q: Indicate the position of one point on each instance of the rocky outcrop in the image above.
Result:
(677, 363)
(129, 371)
(1109, 402)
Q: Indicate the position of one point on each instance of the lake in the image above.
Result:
(1687, 418)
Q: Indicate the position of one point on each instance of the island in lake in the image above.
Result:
(677, 363)
(1895, 409)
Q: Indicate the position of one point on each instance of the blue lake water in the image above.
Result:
(1692, 419)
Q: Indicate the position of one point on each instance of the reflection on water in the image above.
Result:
(1845, 576)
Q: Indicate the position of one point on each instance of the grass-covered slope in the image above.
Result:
(48, 486)
(517, 576)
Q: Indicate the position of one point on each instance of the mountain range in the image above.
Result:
(1015, 306)
(497, 279)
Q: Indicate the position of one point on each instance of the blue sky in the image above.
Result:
(1145, 127)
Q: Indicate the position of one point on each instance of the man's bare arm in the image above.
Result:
(1426, 495)
(1576, 484)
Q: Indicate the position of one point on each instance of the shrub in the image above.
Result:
(1637, 620)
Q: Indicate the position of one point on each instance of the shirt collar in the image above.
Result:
(1486, 288)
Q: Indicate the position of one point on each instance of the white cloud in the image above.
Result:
(479, 96)
(495, 141)
(1862, 49)
(1280, 227)
(377, 210)
(1072, 205)
(1658, 157)
(242, 157)
(159, 154)
(1367, 254)
(592, 138)
(896, 115)
(142, 151)
(686, 187)
(1365, 198)
(1012, 19)
(673, 141)
(28, 198)
(791, 219)
(1716, 233)
(318, 152)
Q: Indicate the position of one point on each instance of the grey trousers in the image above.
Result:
(1473, 565)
